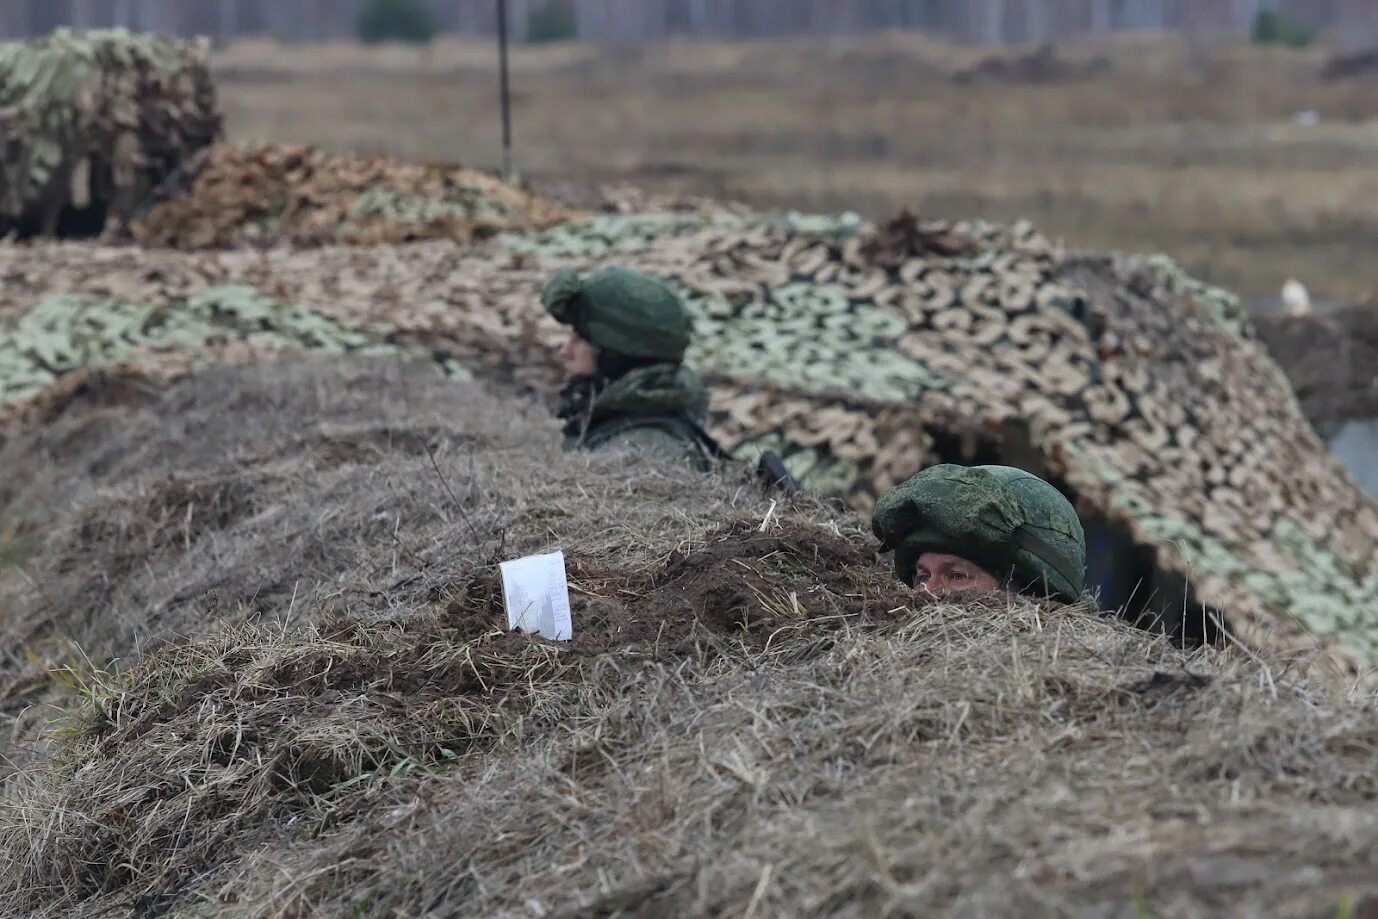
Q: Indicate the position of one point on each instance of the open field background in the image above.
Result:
(1132, 142)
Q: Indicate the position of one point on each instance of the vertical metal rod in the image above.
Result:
(508, 170)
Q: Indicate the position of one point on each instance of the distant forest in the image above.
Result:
(1352, 22)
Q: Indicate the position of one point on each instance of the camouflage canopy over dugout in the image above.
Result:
(862, 353)
(1013, 524)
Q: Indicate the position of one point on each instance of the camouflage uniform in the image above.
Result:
(1013, 524)
(657, 410)
(658, 406)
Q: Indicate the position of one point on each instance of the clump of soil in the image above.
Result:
(1044, 64)
(1351, 66)
(906, 236)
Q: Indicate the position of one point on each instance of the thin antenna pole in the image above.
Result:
(508, 171)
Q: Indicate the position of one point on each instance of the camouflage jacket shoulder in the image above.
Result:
(656, 410)
(667, 438)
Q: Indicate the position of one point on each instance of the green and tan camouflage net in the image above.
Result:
(270, 195)
(96, 120)
(853, 348)
(66, 333)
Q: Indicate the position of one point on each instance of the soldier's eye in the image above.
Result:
(960, 575)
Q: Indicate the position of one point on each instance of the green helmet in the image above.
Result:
(622, 311)
(1010, 522)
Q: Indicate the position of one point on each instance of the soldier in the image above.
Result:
(626, 383)
(979, 529)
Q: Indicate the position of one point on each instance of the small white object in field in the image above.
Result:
(1295, 298)
(535, 591)
(1307, 119)
(769, 515)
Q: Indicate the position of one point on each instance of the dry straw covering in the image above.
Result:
(321, 717)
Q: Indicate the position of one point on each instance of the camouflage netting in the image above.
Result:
(261, 196)
(90, 122)
(865, 353)
(68, 333)
(1128, 381)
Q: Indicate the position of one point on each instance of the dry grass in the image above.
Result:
(752, 719)
(149, 515)
(1183, 149)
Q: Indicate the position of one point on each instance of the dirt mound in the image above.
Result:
(752, 717)
(1329, 356)
(746, 583)
(1351, 66)
(150, 517)
(1044, 64)
(263, 196)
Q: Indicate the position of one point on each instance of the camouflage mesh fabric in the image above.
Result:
(1009, 522)
(864, 352)
(622, 311)
(65, 333)
(660, 389)
(267, 195)
(656, 410)
(97, 119)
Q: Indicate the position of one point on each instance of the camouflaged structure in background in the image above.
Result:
(230, 196)
(863, 352)
(95, 120)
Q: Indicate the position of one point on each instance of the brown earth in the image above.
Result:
(1041, 65)
(1331, 359)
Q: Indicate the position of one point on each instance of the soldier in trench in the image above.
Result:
(626, 383)
(982, 529)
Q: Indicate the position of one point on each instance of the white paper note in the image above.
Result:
(537, 596)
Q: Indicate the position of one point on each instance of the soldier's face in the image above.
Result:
(578, 358)
(946, 575)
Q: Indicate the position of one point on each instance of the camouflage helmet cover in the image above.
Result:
(1008, 521)
(622, 311)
